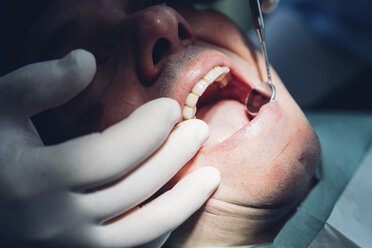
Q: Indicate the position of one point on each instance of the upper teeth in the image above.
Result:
(217, 74)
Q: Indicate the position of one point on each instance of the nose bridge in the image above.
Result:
(160, 31)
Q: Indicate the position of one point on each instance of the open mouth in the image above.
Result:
(218, 99)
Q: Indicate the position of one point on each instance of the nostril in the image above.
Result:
(161, 47)
(183, 34)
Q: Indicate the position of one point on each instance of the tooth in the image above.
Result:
(224, 79)
(191, 100)
(200, 87)
(216, 73)
(223, 72)
(212, 75)
(188, 112)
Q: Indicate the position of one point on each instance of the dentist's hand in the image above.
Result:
(61, 195)
(269, 6)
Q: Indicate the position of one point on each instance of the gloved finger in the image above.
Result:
(157, 243)
(269, 6)
(45, 85)
(180, 147)
(163, 214)
(100, 158)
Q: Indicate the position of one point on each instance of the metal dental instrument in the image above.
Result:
(266, 91)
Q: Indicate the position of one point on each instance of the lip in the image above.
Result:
(268, 116)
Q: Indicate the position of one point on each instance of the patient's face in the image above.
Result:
(145, 52)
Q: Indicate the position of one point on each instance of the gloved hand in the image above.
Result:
(269, 6)
(46, 194)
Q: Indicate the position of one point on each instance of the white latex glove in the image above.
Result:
(41, 187)
(269, 6)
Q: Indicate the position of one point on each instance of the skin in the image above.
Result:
(266, 166)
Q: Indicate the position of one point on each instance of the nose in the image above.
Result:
(161, 31)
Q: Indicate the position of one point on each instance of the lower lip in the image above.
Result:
(265, 120)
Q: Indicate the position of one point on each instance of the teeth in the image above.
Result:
(215, 73)
(188, 112)
(200, 87)
(191, 100)
(219, 75)
(224, 79)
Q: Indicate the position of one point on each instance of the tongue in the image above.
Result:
(224, 118)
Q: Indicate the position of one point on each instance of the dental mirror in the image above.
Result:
(259, 96)
(264, 92)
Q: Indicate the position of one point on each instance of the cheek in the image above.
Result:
(120, 99)
(265, 174)
(118, 105)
